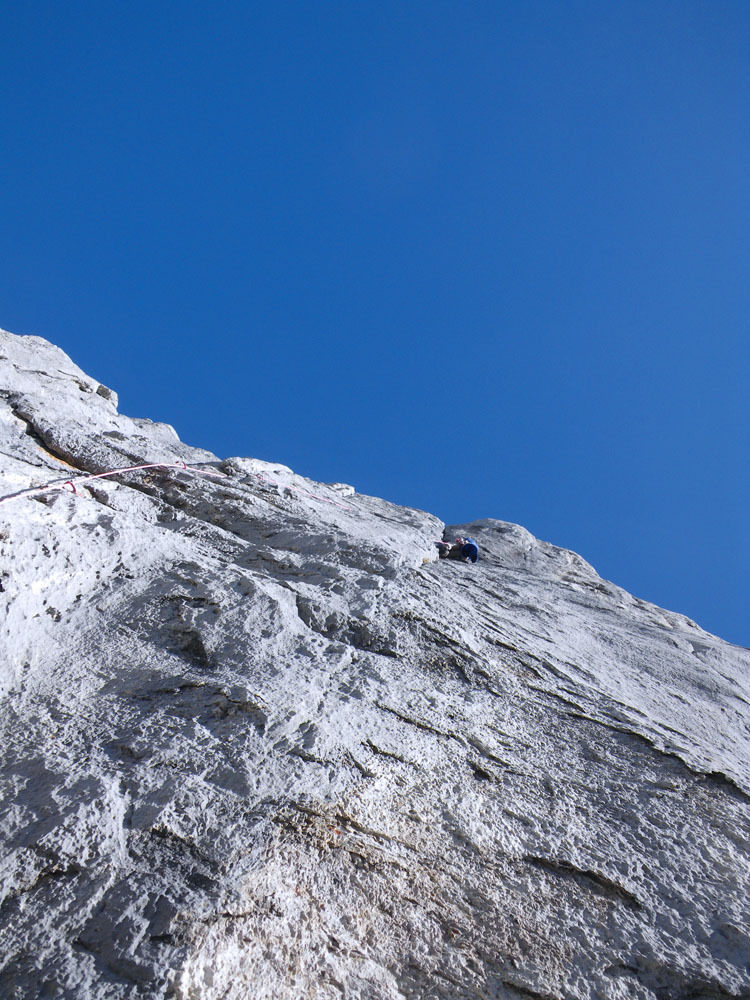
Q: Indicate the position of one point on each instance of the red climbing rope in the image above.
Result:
(71, 483)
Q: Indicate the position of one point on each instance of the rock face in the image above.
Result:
(259, 743)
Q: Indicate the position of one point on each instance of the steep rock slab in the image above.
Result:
(258, 743)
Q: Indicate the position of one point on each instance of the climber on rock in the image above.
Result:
(469, 550)
(463, 549)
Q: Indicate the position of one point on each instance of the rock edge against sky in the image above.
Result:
(259, 743)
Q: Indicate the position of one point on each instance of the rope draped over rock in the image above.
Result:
(70, 484)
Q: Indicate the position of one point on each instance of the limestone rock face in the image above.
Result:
(258, 742)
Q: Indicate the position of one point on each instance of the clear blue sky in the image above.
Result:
(489, 259)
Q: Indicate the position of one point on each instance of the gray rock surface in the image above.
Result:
(259, 743)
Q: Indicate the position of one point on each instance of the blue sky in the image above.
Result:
(488, 259)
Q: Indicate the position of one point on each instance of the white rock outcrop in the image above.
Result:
(259, 744)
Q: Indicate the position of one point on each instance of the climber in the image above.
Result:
(464, 549)
(470, 550)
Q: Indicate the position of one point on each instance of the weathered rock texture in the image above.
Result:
(259, 743)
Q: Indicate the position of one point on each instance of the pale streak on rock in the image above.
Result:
(258, 743)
